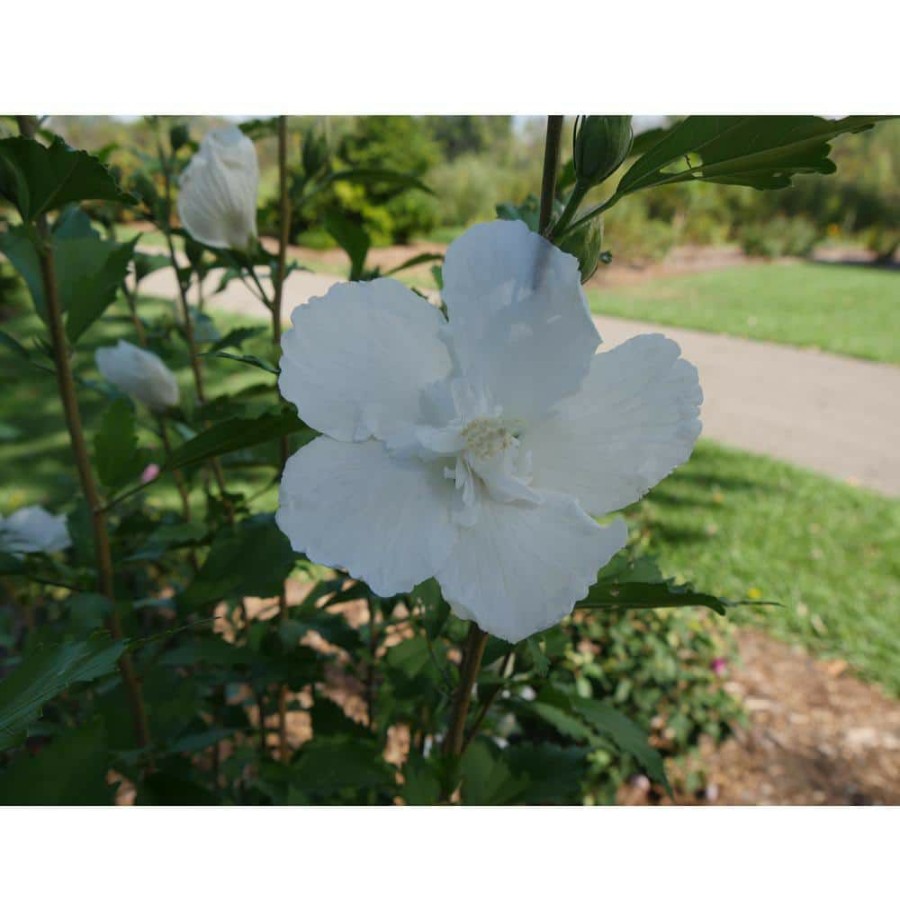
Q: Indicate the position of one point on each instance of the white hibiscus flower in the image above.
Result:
(218, 188)
(477, 450)
(138, 373)
(33, 530)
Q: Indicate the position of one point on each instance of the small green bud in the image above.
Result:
(143, 187)
(585, 244)
(601, 145)
(178, 137)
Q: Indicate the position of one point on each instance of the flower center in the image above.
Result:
(485, 438)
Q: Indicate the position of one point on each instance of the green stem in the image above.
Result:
(473, 651)
(72, 413)
(551, 167)
(572, 205)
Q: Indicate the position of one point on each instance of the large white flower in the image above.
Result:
(33, 530)
(138, 373)
(477, 450)
(217, 197)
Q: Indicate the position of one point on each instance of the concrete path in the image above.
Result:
(832, 414)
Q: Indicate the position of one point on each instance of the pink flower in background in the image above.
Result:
(719, 666)
(150, 473)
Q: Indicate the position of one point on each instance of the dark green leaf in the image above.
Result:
(422, 784)
(758, 151)
(116, 451)
(247, 359)
(486, 778)
(236, 337)
(654, 595)
(236, 434)
(352, 239)
(70, 771)
(628, 736)
(325, 766)
(47, 672)
(417, 260)
(253, 559)
(88, 272)
(554, 774)
(35, 178)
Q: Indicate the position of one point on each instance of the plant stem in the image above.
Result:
(66, 384)
(551, 165)
(491, 697)
(473, 651)
(572, 205)
(284, 233)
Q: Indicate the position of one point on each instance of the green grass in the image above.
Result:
(733, 523)
(748, 527)
(853, 310)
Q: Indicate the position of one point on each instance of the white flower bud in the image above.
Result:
(138, 373)
(33, 530)
(217, 202)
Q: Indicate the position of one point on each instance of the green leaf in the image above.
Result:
(47, 672)
(421, 783)
(627, 735)
(758, 151)
(236, 434)
(554, 774)
(352, 239)
(326, 766)
(247, 359)
(119, 460)
(36, 179)
(236, 337)
(251, 560)
(71, 771)
(88, 273)
(486, 778)
(417, 260)
(653, 595)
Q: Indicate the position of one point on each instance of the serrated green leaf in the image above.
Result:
(757, 151)
(118, 458)
(36, 179)
(70, 771)
(236, 337)
(47, 672)
(252, 559)
(328, 765)
(648, 595)
(627, 735)
(236, 434)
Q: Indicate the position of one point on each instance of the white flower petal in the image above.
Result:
(518, 317)
(354, 506)
(635, 419)
(357, 360)
(218, 188)
(138, 373)
(522, 567)
(33, 530)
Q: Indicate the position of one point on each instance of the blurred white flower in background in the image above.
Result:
(218, 189)
(477, 450)
(33, 530)
(138, 373)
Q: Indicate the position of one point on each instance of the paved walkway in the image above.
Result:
(832, 414)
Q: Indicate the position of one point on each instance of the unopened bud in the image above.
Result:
(601, 145)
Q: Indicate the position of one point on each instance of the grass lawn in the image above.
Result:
(748, 527)
(853, 310)
(733, 523)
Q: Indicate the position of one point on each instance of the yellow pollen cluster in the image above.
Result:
(486, 438)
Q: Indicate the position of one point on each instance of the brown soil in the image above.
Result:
(816, 736)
